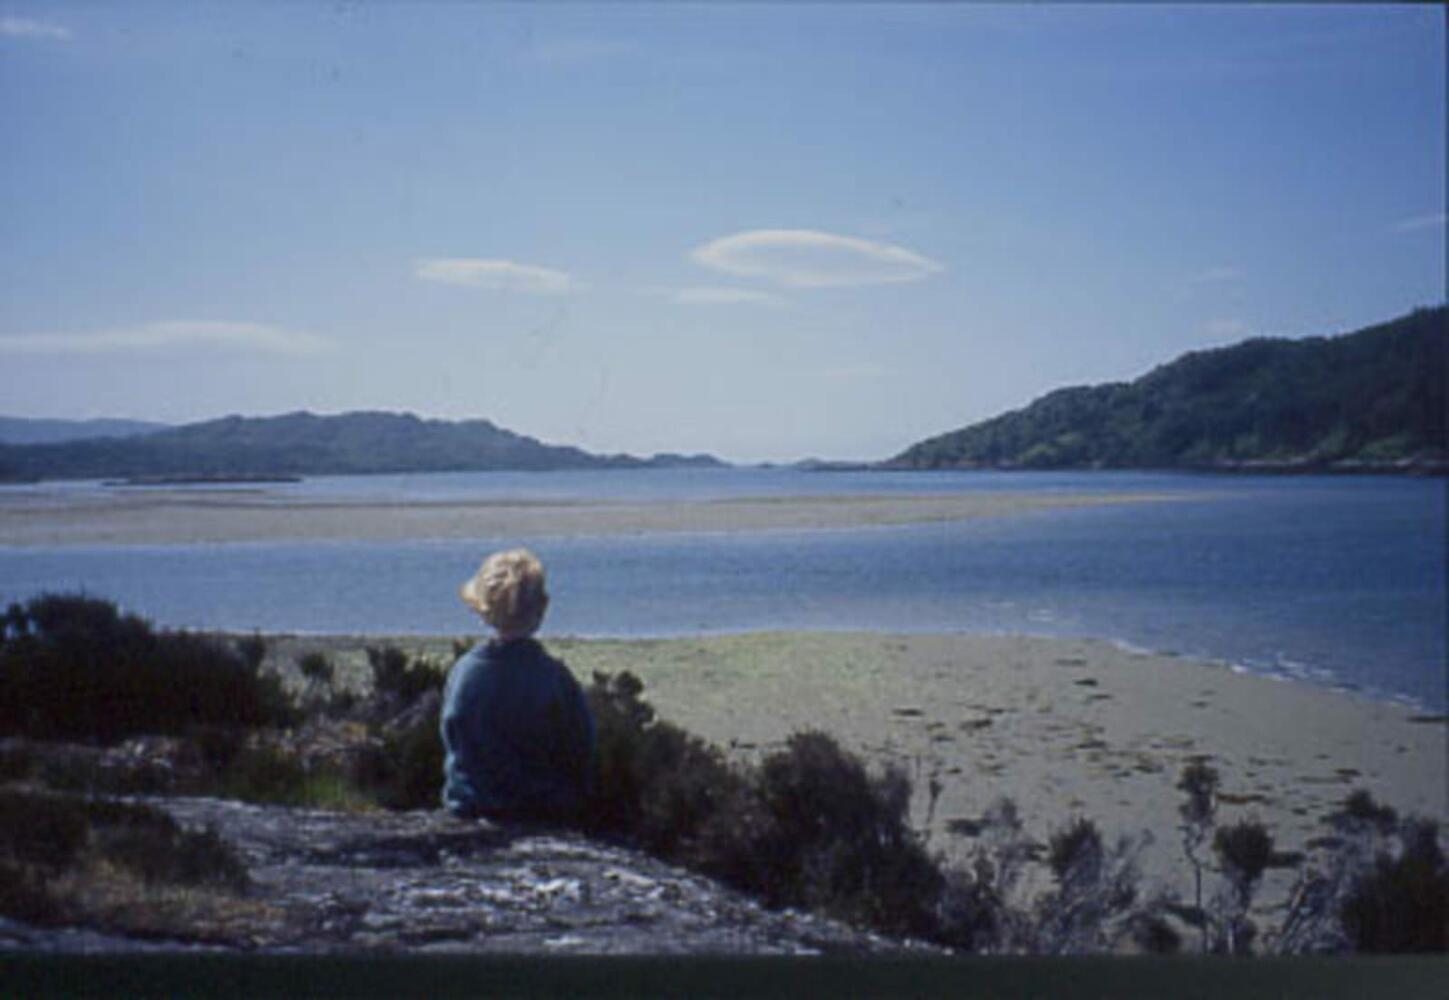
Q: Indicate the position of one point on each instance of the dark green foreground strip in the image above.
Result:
(220, 976)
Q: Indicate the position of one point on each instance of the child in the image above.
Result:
(517, 731)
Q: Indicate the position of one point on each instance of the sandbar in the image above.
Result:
(164, 517)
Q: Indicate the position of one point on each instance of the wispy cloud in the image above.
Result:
(19, 27)
(251, 338)
(1433, 220)
(496, 274)
(725, 296)
(804, 258)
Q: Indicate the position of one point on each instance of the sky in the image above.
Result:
(763, 231)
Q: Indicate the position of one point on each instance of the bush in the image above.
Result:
(398, 679)
(73, 667)
(808, 827)
(1245, 850)
(1402, 903)
(837, 839)
(1076, 851)
(316, 669)
(409, 773)
(44, 830)
(655, 785)
(43, 834)
(265, 774)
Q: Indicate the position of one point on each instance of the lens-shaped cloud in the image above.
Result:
(495, 273)
(254, 338)
(804, 258)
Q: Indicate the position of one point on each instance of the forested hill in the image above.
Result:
(1364, 401)
(306, 444)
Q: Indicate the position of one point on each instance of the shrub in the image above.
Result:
(411, 771)
(398, 679)
(44, 830)
(1075, 851)
(1361, 807)
(1199, 784)
(808, 827)
(43, 834)
(73, 667)
(1245, 850)
(1401, 904)
(837, 839)
(265, 774)
(316, 669)
(1095, 889)
(655, 785)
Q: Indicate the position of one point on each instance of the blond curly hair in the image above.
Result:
(508, 591)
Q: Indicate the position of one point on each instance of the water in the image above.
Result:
(1336, 581)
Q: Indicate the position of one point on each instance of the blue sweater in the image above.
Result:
(518, 734)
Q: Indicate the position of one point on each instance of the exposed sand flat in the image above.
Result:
(1063, 727)
(211, 516)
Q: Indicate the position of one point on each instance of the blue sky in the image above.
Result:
(757, 230)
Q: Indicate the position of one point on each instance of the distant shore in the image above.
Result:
(161, 516)
(1065, 728)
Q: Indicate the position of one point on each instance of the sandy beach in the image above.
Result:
(1064, 728)
(179, 516)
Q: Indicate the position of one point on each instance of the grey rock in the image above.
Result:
(426, 882)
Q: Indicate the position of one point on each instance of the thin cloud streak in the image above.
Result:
(251, 338)
(806, 258)
(19, 27)
(495, 274)
(1434, 220)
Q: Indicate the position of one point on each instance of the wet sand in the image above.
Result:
(1065, 728)
(163, 517)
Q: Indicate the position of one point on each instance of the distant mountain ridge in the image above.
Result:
(1373, 400)
(21, 430)
(302, 443)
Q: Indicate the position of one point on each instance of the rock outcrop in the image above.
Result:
(425, 882)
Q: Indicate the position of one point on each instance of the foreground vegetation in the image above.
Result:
(807, 826)
(1363, 400)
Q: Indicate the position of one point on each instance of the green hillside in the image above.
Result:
(1369, 400)
(305, 444)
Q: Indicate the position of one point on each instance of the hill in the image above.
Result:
(20, 430)
(306, 444)
(1366, 401)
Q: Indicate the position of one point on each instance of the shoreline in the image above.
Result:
(434, 639)
(1063, 727)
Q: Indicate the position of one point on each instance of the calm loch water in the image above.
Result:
(1330, 580)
